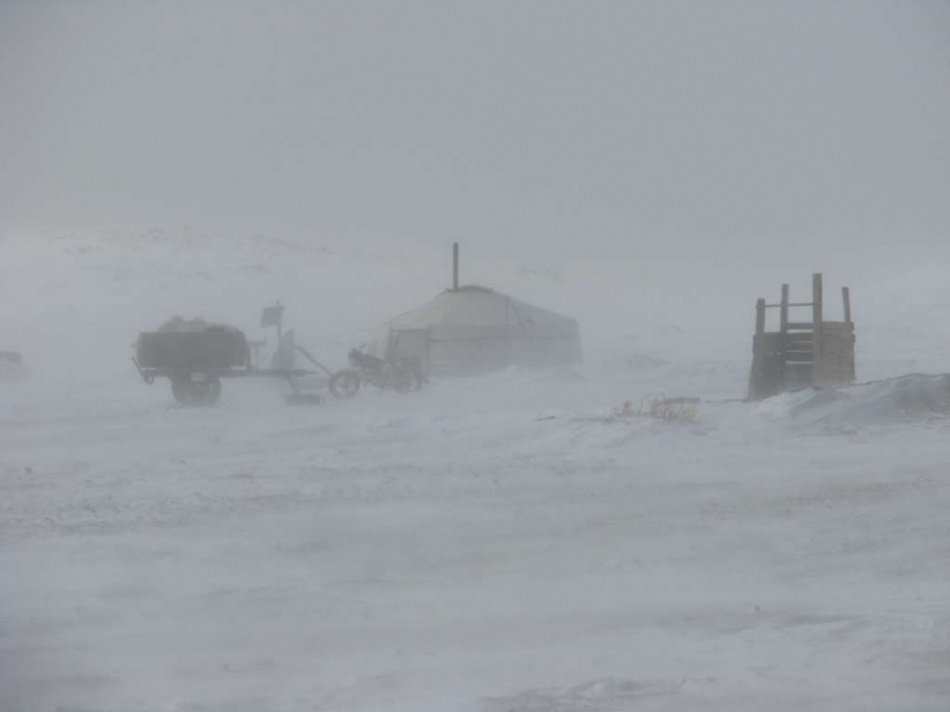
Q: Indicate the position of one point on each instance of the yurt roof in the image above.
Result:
(478, 306)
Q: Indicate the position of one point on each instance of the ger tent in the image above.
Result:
(475, 330)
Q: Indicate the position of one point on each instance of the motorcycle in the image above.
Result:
(400, 375)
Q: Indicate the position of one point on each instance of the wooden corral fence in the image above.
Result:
(801, 354)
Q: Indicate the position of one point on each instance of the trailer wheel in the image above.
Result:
(345, 384)
(188, 391)
(181, 390)
(212, 391)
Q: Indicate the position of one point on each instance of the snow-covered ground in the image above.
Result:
(511, 543)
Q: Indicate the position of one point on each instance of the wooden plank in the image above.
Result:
(846, 298)
(837, 327)
(767, 343)
(817, 318)
(800, 368)
(798, 376)
(837, 354)
(801, 326)
(766, 376)
(760, 317)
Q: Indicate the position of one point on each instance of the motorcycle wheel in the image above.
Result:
(345, 384)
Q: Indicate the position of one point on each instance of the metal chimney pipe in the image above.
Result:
(455, 266)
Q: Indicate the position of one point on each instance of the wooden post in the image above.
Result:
(759, 356)
(784, 310)
(455, 266)
(846, 299)
(817, 328)
(783, 327)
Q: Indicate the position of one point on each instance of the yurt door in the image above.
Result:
(412, 344)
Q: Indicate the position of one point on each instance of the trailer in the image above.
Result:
(195, 357)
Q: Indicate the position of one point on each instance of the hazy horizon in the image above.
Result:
(735, 129)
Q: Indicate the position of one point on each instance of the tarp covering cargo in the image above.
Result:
(474, 329)
(192, 345)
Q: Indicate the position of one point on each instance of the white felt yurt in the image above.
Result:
(472, 329)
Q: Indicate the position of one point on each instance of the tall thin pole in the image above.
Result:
(783, 316)
(783, 338)
(455, 266)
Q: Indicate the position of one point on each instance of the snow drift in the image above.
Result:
(908, 397)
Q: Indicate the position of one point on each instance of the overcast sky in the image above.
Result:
(607, 127)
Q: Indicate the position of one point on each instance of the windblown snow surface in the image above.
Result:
(519, 542)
